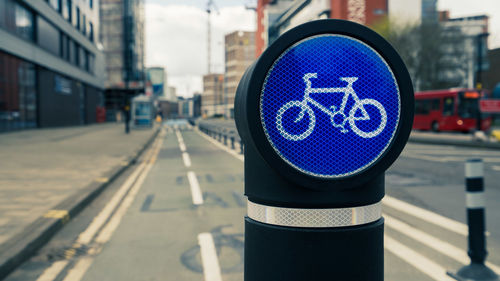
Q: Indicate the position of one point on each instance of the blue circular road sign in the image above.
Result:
(330, 106)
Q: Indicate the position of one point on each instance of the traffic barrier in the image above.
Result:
(475, 203)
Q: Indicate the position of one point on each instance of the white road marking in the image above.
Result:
(425, 265)
(428, 216)
(496, 168)
(115, 220)
(86, 236)
(443, 247)
(415, 259)
(51, 273)
(186, 159)
(182, 146)
(221, 146)
(78, 271)
(89, 233)
(209, 260)
(195, 188)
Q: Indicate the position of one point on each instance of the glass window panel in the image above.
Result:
(56, 4)
(24, 22)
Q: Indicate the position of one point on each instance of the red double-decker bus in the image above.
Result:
(449, 110)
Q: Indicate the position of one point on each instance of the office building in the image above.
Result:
(274, 17)
(213, 95)
(51, 65)
(122, 37)
(465, 50)
(239, 55)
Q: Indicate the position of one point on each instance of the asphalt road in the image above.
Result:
(178, 215)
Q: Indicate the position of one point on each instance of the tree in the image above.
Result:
(429, 50)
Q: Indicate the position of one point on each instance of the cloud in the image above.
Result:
(176, 38)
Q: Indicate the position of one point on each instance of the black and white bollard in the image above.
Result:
(474, 198)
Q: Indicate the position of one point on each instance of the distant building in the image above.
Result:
(413, 11)
(491, 77)
(51, 66)
(466, 50)
(171, 93)
(213, 95)
(239, 55)
(122, 35)
(277, 16)
(158, 79)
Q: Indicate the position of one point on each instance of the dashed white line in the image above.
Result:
(426, 215)
(496, 168)
(195, 188)
(186, 159)
(425, 265)
(211, 268)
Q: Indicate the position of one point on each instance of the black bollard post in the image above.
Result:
(225, 139)
(232, 142)
(474, 185)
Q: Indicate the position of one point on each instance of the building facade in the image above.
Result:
(274, 17)
(122, 37)
(465, 50)
(213, 95)
(239, 55)
(51, 66)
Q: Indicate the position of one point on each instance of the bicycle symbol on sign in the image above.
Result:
(338, 116)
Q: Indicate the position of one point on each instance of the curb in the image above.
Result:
(19, 248)
(478, 144)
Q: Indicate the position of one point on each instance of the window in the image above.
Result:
(16, 19)
(422, 106)
(77, 54)
(91, 4)
(91, 63)
(66, 9)
(24, 23)
(449, 107)
(56, 4)
(83, 59)
(435, 104)
(17, 94)
(77, 18)
(84, 24)
(91, 32)
(49, 37)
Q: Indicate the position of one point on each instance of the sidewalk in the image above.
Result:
(47, 174)
(458, 139)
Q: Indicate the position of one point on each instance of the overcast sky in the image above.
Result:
(176, 34)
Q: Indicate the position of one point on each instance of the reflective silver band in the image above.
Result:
(314, 217)
(474, 200)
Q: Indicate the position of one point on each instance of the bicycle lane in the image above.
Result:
(159, 237)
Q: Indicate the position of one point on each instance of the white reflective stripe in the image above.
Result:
(474, 200)
(474, 169)
(296, 217)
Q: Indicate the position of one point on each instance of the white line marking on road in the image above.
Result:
(425, 265)
(89, 233)
(443, 247)
(211, 268)
(115, 220)
(186, 159)
(402, 206)
(195, 188)
(51, 273)
(496, 168)
(428, 216)
(221, 146)
(182, 146)
(77, 272)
